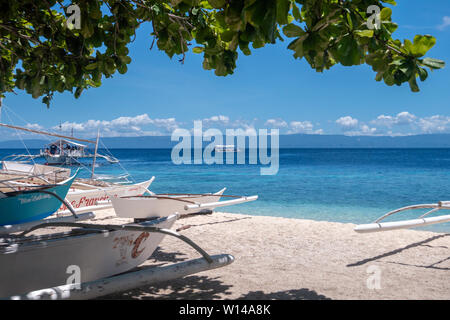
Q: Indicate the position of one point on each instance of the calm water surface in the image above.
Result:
(343, 185)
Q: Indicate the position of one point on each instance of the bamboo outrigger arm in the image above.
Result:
(112, 227)
(433, 206)
(68, 205)
(126, 281)
(8, 229)
(220, 203)
(422, 220)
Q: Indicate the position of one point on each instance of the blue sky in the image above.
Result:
(268, 89)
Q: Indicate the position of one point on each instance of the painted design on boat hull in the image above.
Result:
(96, 254)
(32, 205)
(87, 198)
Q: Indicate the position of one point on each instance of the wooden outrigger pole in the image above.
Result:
(421, 221)
(45, 133)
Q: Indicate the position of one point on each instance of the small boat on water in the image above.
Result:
(30, 203)
(67, 152)
(160, 205)
(226, 148)
(61, 152)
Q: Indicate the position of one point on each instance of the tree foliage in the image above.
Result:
(42, 53)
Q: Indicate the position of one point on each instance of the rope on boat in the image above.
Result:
(19, 134)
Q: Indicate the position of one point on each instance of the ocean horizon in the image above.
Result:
(338, 185)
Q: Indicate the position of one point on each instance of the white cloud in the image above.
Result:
(402, 118)
(347, 123)
(445, 23)
(434, 124)
(366, 130)
(405, 118)
(300, 127)
(217, 119)
(430, 124)
(276, 123)
(353, 127)
(363, 130)
(122, 126)
(169, 124)
(402, 123)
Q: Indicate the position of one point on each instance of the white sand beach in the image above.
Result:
(280, 258)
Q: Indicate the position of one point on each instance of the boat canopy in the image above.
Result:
(65, 141)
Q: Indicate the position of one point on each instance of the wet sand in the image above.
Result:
(280, 258)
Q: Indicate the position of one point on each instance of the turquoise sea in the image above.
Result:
(342, 185)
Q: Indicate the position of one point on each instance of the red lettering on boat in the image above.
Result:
(136, 252)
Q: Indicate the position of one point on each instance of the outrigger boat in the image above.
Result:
(90, 260)
(83, 263)
(423, 220)
(161, 205)
(30, 203)
(60, 152)
(83, 194)
(67, 152)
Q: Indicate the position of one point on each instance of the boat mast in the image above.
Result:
(95, 154)
(60, 142)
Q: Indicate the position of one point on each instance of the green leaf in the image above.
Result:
(296, 12)
(292, 30)
(283, 11)
(421, 45)
(217, 4)
(347, 51)
(423, 74)
(125, 59)
(385, 14)
(413, 84)
(197, 49)
(364, 33)
(91, 66)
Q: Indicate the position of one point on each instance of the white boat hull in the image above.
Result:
(57, 159)
(89, 198)
(147, 207)
(44, 264)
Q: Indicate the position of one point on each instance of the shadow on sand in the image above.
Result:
(423, 243)
(207, 288)
(196, 287)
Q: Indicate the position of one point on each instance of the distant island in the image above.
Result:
(286, 141)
